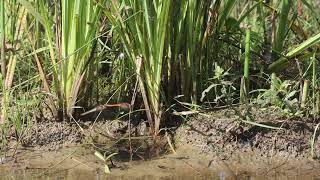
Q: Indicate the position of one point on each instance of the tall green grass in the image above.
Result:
(70, 34)
(13, 29)
(182, 54)
(2, 58)
(173, 35)
(143, 32)
(2, 37)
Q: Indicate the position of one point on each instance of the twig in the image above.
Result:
(124, 106)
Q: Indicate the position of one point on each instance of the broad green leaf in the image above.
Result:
(280, 64)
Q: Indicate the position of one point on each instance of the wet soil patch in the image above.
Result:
(220, 133)
(52, 135)
(105, 136)
(209, 146)
(223, 133)
(113, 136)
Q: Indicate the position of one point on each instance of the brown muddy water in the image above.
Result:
(78, 163)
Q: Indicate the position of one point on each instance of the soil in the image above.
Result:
(96, 130)
(223, 133)
(52, 135)
(216, 145)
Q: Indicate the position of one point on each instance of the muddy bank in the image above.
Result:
(102, 133)
(223, 133)
(220, 133)
(214, 145)
(51, 135)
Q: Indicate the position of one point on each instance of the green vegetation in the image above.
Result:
(173, 55)
(104, 159)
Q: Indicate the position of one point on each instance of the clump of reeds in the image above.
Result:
(174, 49)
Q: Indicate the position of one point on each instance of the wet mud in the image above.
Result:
(210, 146)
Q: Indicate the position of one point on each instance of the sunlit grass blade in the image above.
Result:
(2, 60)
(2, 38)
(282, 26)
(280, 63)
(245, 80)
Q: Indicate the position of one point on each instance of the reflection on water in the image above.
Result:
(74, 174)
(84, 175)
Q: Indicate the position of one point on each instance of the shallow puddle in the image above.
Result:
(78, 163)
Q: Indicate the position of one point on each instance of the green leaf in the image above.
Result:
(280, 64)
(110, 156)
(99, 155)
(303, 46)
(106, 169)
(32, 10)
(290, 95)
